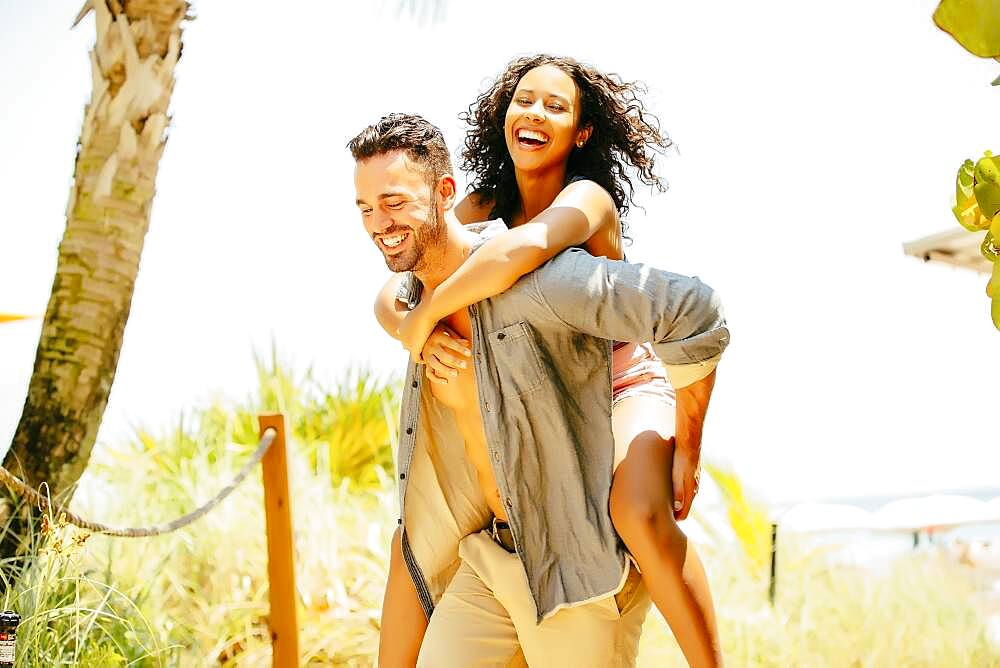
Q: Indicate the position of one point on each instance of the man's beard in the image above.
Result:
(427, 248)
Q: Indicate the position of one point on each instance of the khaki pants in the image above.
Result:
(486, 618)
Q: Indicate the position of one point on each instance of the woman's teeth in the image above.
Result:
(532, 137)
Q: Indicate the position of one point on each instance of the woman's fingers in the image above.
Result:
(440, 368)
(449, 359)
(445, 354)
(444, 339)
(449, 352)
(433, 376)
(460, 346)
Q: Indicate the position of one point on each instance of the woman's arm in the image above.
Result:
(444, 350)
(387, 310)
(578, 212)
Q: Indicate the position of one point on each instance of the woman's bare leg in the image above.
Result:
(642, 512)
(403, 620)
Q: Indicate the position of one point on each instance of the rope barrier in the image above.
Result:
(43, 502)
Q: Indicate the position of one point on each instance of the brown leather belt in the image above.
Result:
(501, 532)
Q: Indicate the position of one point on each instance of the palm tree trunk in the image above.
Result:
(133, 59)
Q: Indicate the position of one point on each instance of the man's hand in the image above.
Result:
(692, 404)
(686, 476)
(415, 329)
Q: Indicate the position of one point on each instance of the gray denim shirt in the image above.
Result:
(542, 359)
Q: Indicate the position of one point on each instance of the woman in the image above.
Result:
(548, 147)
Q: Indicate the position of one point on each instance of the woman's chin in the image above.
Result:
(535, 162)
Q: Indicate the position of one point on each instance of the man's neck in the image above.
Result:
(538, 189)
(456, 248)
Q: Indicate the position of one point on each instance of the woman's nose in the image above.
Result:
(535, 112)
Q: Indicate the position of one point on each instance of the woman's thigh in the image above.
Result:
(644, 451)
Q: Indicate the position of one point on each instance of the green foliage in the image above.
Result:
(920, 609)
(977, 208)
(68, 616)
(347, 430)
(747, 517)
(205, 587)
(198, 596)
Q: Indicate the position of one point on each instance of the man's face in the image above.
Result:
(398, 210)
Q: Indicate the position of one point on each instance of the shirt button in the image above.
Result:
(399, 521)
(501, 336)
(496, 455)
(510, 504)
(402, 476)
(414, 383)
(409, 430)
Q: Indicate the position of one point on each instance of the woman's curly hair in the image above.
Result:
(624, 136)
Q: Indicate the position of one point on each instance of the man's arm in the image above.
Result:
(692, 404)
(679, 314)
(403, 619)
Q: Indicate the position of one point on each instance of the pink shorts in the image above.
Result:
(637, 371)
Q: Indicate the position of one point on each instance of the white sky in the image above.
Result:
(815, 138)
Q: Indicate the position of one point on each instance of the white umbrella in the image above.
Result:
(824, 517)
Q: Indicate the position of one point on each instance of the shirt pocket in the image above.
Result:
(518, 365)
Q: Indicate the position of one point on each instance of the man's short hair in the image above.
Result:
(421, 140)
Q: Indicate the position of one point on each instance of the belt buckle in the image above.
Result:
(498, 539)
(494, 532)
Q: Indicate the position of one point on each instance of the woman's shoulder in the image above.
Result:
(606, 241)
(586, 185)
(474, 208)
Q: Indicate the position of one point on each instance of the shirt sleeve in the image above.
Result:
(680, 315)
(682, 375)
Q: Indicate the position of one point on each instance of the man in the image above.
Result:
(523, 443)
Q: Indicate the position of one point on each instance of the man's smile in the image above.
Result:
(392, 243)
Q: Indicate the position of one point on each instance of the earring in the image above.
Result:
(580, 143)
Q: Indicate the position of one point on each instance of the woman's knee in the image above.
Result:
(643, 520)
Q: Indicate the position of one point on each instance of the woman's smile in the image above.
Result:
(530, 140)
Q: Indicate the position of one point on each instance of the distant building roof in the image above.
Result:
(957, 247)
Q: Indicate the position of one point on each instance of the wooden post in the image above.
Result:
(772, 584)
(280, 561)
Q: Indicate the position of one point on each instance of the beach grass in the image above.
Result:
(198, 596)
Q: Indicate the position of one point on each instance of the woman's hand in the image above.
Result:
(414, 330)
(445, 353)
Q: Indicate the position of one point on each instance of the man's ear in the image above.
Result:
(447, 191)
(583, 135)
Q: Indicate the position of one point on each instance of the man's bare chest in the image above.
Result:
(460, 392)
